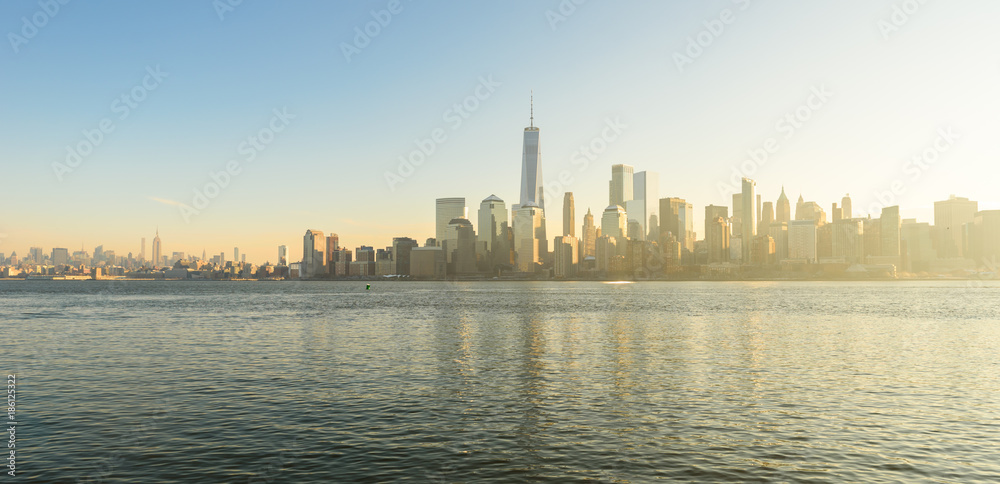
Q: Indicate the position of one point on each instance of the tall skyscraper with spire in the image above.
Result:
(532, 188)
(569, 214)
(157, 249)
(783, 211)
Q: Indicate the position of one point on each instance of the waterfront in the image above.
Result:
(144, 381)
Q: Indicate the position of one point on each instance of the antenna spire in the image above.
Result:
(532, 108)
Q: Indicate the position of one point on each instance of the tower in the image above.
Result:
(532, 189)
(492, 217)
(447, 209)
(620, 187)
(749, 217)
(589, 235)
(157, 248)
(569, 214)
(782, 212)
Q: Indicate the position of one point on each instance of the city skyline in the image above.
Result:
(856, 123)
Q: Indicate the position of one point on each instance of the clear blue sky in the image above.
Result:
(893, 89)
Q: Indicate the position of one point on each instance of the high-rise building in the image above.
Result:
(778, 231)
(60, 256)
(528, 230)
(891, 225)
(872, 240)
(644, 205)
(589, 236)
(532, 188)
(313, 254)
(846, 207)
(606, 251)
(766, 218)
(782, 211)
(717, 233)
(836, 213)
(331, 246)
(566, 252)
(983, 239)
(402, 249)
(157, 249)
(802, 240)
(460, 246)
(614, 222)
(236, 254)
(569, 215)
(749, 217)
(848, 240)
(620, 186)
(916, 246)
(282, 255)
(949, 218)
(492, 217)
(142, 250)
(677, 218)
(446, 210)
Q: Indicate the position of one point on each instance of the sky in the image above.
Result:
(122, 118)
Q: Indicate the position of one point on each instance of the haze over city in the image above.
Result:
(199, 80)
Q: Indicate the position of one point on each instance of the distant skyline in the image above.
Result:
(314, 113)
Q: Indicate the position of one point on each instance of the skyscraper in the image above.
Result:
(331, 247)
(644, 205)
(614, 222)
(717, 233)
(890, 231)
(802, 240)
(620, 186)
(282, 255)
(446, 210)
(677, 218)
(949, 218)
(589, 236)
(236, 254)
(313, 257)
(569, 215)
(749, 217)
(492, 216)
(532, 188)
(782, 211)
(528, 229)
(846, 207)
(766, 218)
(157, 249)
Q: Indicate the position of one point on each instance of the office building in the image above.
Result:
(569, 215)
(949, 218)
(620, 186)
(614, 222)
(447, 209)
(589, 241)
